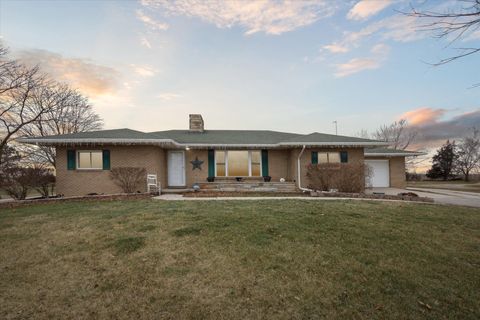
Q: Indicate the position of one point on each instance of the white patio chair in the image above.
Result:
(152, 184)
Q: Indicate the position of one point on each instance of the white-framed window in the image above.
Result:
(329, 157)
(89, 159)
(238, 163)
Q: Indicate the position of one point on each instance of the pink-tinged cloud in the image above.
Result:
(91, 79)
(423, 115)
(367, 8)
(433, 131)
(267, 16)
(379, 53)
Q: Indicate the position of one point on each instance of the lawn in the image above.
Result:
(473, 186)
(281, 259)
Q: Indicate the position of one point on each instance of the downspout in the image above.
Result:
(299, 179)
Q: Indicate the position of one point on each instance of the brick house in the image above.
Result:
(182, 158)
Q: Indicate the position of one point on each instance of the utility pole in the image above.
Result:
(336, 127)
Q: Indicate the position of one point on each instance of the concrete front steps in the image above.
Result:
(248, 186)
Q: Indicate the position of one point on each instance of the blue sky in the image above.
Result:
(293, 66)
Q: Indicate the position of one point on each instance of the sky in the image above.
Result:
(292, 66)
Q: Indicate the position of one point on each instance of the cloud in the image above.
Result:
(367, 8)
(422, 116)
(379, 54)
(167, 96)
(144, 42)
(268, 16)
(432, 131)
(90, 78)
(336, 48)
(151, 22)
(143, 71)
(398, 28)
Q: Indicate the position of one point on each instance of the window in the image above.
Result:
(256, 163)
(329, 157)
(237, 163)
(221, 169)
(89, 160)
(334, 157)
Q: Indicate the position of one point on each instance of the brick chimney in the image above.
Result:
(196, 123)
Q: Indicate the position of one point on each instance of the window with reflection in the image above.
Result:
(256, 163)
(329, 157)
(238, 163)
(220, 163)
(89, 160)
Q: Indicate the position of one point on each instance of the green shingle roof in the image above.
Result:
(208, 137)
(323, 137)
(225, 136)
(391, 152)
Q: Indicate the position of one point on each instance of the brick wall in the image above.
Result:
(196, 176)
(82, 182)
(282, 164)
(354, 154)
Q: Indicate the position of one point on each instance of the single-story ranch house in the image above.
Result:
(183, 158)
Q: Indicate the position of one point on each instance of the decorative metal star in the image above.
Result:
(196, 164)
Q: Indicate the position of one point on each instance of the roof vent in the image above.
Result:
(196, 123)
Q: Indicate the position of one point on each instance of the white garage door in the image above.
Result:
(380, 173)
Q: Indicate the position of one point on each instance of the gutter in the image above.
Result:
(299, 179)
(397, 154)
(43, 141)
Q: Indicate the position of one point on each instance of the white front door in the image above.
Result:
(176, 169)
(380, 173)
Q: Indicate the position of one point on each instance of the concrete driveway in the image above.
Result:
(442, 196)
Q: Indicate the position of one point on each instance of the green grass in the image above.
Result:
(457, 185)
(129, 244)
(281, 259)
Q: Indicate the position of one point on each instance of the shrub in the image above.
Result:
(43, 181)
(17, 181)
(345, 177)
(128, 178)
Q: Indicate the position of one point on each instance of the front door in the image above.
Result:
(176, 169)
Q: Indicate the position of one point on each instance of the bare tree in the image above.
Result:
(12, 75)
(453, 25)
(24, 104)
(469, 153)
(73, 113)
(398, 134)
(31, 104)
(363, 133)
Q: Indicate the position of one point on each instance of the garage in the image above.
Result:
(380, 174)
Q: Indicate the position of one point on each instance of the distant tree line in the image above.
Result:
(453, 159)
(32, 104)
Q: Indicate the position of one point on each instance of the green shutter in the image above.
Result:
(314, 157)
(71, 160)
(211, 163)
(343, 156)
(106, 159)
(265, 163)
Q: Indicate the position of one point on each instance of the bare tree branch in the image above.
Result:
(453, 25)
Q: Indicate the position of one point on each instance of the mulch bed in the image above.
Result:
(101, 197)
(406, 197)
(217, 194)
